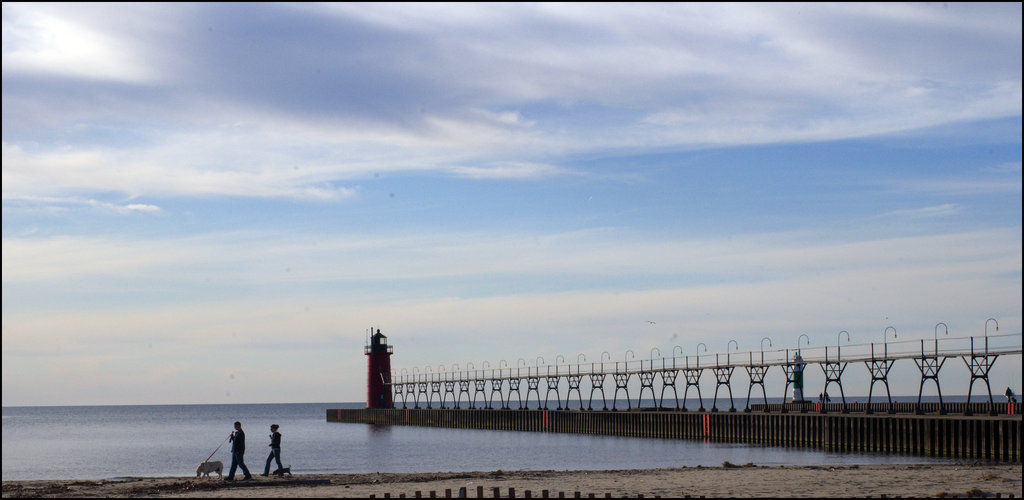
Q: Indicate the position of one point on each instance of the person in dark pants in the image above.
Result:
(275, 449)
(237, 453)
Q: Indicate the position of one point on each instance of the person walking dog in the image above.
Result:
(237, 453)
(275, 450)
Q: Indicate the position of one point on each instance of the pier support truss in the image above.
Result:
(929, 366)
(879, 369)
(496, 388)
(834, 373)
(597, 384)
(410, 388)
(668, 379)
(464, 389)
(513, 386)
(479, 386)
(574, 385)
(449, 389)
(646, 382)
(692, 376)
(723, 376)
(435, 388)
(621, 382)
(421, 388)
(979, 364)
(398, 393)
(552, 386)
(788, 369)
(756, 374)
(532, 385)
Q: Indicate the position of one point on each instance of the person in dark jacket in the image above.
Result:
(237, 453)
(275, 450)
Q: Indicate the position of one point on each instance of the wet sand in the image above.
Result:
(726, 481)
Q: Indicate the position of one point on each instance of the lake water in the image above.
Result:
(104, 442)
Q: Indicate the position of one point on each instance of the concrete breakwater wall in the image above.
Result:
(982, 437)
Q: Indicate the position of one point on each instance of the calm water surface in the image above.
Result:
(102, 442)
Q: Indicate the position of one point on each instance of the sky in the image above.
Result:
(213, 203)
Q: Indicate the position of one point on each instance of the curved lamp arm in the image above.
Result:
(986, 325)
(840, 337)
(802, 336)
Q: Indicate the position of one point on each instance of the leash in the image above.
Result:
(215, 451)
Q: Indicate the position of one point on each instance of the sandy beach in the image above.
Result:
(725, 481)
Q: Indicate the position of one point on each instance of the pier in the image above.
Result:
(983, 437)
(483, 398)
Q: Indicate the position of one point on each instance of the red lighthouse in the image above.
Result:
(378, 372)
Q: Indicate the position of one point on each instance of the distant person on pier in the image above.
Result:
(237, 454)
(1010, 396)
(275, 450)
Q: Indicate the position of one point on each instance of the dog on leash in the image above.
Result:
(283, 470)
(206, 468)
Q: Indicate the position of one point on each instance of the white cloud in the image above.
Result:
(185, 166)
(42, 40)
(943, 210)
(514, 170)
(441, 88)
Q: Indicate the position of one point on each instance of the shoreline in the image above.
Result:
(912, 480)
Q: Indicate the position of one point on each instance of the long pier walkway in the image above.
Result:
(983, 437)
(483, 398)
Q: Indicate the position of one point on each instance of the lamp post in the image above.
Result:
(946, 328)
(625, 360)
(839, 337)
(762, 347)
(986, 332)
(885, 341)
